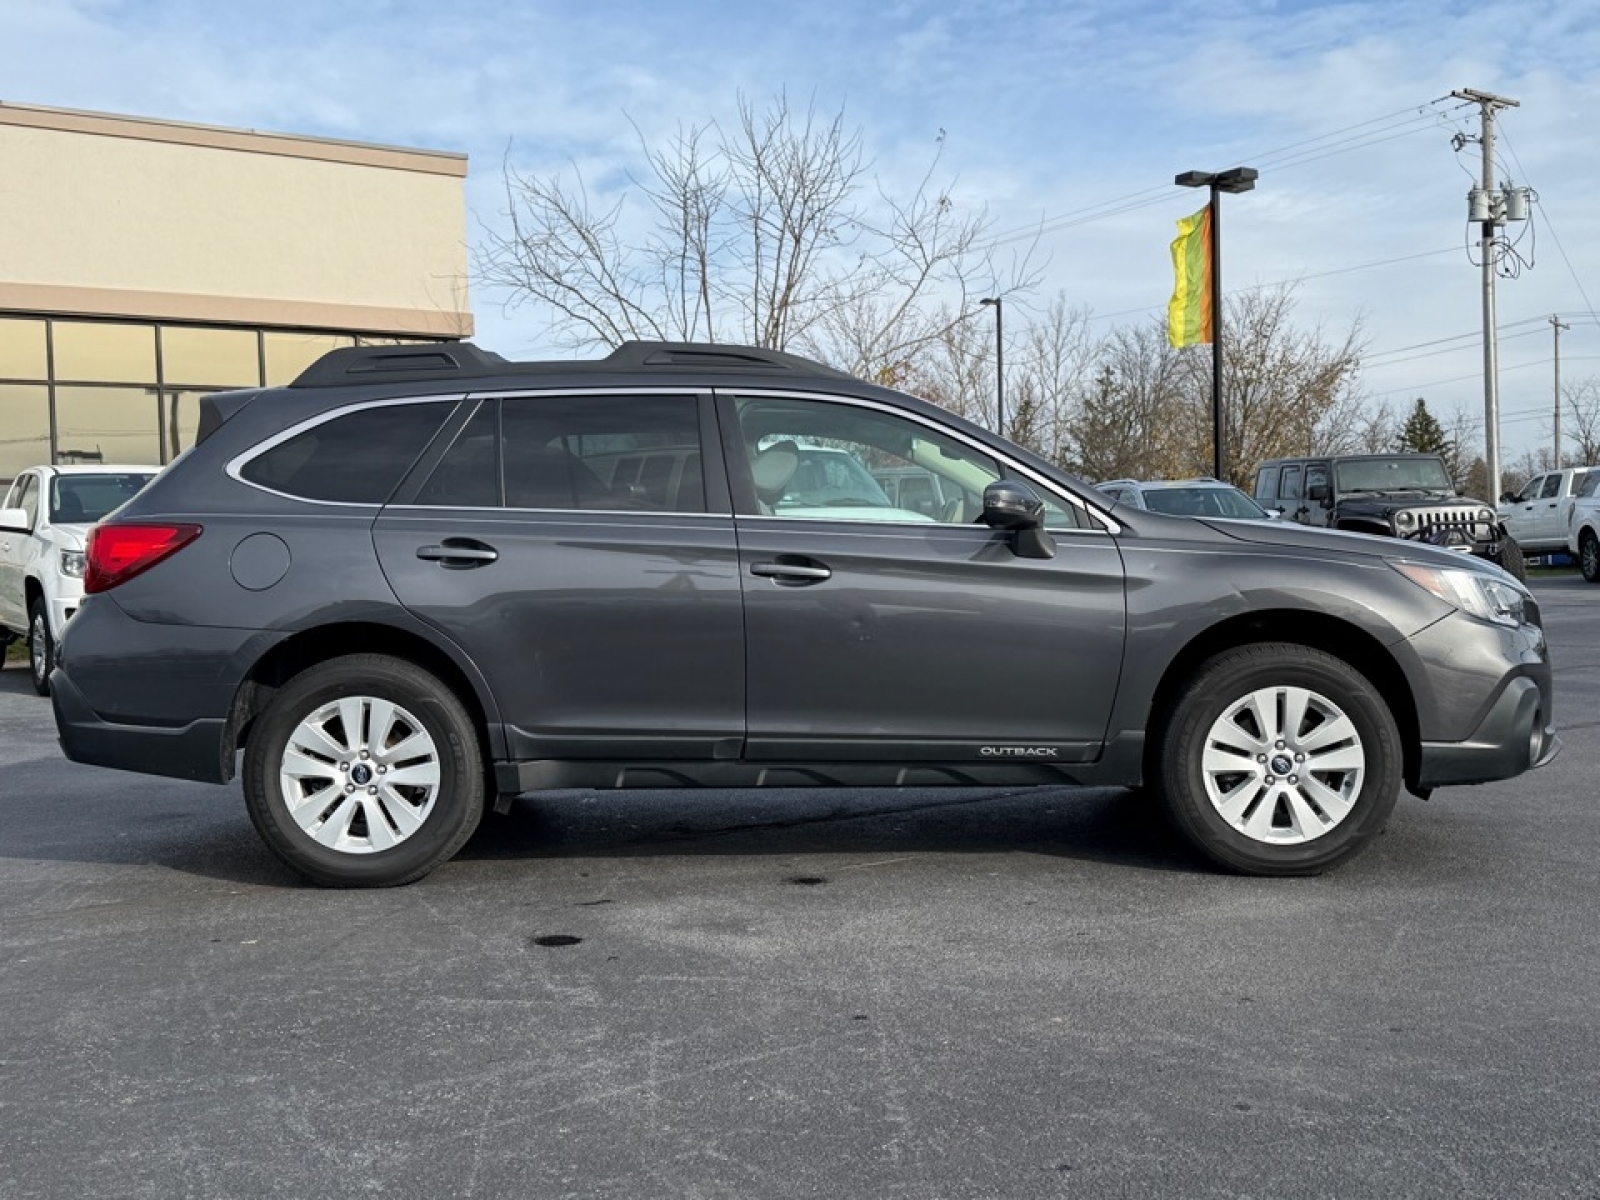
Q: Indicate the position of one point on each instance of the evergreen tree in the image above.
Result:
(1422, 434)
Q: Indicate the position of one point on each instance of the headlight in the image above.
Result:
(1405, 518)
(1472, 592)
(72, 563)
(1486, 514)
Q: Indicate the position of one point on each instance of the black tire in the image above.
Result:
(41, 648)
(1297, 823)
(1513, 559)
(322, 830)
(1589, 556)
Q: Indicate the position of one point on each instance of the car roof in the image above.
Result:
(1167, 483)
(94, 469)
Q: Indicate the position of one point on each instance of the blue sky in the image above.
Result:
(1073, 115)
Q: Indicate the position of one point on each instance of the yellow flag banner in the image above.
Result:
(1189, 313)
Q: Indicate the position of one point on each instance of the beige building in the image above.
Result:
(143, 263)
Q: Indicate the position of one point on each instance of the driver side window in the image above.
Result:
(837, 461)
(844, 462)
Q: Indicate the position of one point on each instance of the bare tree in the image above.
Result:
(1129, 423)
(758, 234)
(1286, 391)
(1581, 409)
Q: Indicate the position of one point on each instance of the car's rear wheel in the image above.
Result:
(364, 771)
(41, 648)
(1278, 759)
(1589, 556)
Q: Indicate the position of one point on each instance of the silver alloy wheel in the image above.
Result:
(360, 775)
(1283, 765)
(39, 647)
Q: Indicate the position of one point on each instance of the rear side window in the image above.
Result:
(357, 458)
(639, 453)
(1267, 484)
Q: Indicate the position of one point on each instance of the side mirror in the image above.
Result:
(15, 520)
(1014, 506)
(1508, 498)
(1318, 492)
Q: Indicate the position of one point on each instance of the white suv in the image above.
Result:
(44, 522)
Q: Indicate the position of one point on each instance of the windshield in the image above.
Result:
(85, 499)
(1204, 502)
(1393, 475)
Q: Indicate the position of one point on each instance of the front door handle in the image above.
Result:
(792, 571)
(459, 554)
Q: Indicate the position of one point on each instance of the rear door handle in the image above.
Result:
(459, 554)
(792, 571)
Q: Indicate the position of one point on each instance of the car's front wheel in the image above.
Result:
(41, 648)
(364, 771)
(1278, 759)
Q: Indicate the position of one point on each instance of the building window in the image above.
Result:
(219, 358)
(123, 391)
(288, 354)
(103, 352)
(23, 354)
(24, 427)
(107, 425)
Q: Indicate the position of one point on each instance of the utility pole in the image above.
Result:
(1486, 212)
(1556, 327)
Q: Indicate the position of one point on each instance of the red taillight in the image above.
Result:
(116, 553)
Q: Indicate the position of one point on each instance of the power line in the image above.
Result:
(1571, 270)
(1150, 196)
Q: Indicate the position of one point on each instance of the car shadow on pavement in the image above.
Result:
(112, 818)
(14, 680)
(1112, 825)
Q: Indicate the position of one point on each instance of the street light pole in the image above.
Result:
(995, 302)
(1234, 180)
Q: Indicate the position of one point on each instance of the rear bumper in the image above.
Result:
(192, 751)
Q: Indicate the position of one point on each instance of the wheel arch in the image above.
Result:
(1349, 643)
(294, 654)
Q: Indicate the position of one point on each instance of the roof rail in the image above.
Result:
(463, 360)
(379, 364)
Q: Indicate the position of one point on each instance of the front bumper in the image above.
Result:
(1514, 736)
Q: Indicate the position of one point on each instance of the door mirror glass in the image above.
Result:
(1317, 492)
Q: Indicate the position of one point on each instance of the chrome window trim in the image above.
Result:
(1096, 520)
(239, 461)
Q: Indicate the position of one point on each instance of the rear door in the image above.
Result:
(885, 634)
(580, 548)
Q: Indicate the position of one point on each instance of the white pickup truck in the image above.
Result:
(1583, 526)
(1539, 516)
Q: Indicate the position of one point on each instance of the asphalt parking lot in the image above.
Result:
(916, 993)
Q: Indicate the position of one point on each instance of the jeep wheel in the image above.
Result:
(1589, 556)
(41, 648)
(364, 772)
(1278, 759)
(1513, 559)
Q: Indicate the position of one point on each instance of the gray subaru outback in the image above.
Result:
(422, 580)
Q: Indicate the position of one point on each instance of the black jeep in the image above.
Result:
(1388, 495)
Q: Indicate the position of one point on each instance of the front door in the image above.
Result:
(567, 545)
(877, 632)
(15, 547)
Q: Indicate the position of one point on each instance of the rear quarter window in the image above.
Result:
(357, 458)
